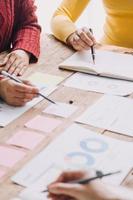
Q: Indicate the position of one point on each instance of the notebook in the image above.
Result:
(107, 64)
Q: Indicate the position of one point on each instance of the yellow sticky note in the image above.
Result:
(45, 79)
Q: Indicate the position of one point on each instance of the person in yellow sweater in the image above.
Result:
(118, 29)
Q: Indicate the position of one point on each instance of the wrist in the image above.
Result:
(69, 39)
(3, 82)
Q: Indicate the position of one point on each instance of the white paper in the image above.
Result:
(61, 109)
(99, 84)
(110, 113)
(76, 148)
(32, 194)
(10, 113)
(106, 62)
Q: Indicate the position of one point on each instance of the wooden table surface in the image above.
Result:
(53, 53)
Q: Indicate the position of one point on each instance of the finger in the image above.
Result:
(18, 65)
(17, 102)
(26, 88)
(86, 38)
(71, 176)
(90, 35)
(72, 190)
(4, 61)
(14, 66)
(11, 59)
(77, 41)
(23, 95)
(23, 69)
(78, 47)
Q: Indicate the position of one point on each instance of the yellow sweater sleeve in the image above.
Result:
(62, 23)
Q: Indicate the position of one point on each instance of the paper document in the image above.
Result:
(99, 84)
(61, 109)
(110, 113)
(32, 194)
(10, 113)
(107, 63)
(77, 148)
(45, 80)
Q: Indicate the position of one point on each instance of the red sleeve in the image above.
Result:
(27, 31)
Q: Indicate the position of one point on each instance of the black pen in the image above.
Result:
(99, 175)
(4, 73)
(92, 48)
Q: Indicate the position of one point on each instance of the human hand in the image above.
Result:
(82, 39)
(17, 94)
(16, 62)
(95, 190)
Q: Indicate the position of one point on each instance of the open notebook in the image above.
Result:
(108, 64)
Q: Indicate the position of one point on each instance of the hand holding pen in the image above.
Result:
(81, 39)
(16, 94)
(80, 185)
(71, 183)
(26, 91)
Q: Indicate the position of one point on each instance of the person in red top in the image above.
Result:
(20, 36)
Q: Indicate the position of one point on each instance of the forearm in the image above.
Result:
(62, 23)
(27, 31)
(28, 39)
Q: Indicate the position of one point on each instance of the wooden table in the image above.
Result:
(53, 53)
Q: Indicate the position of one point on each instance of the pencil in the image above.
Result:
(4, 73)
(92, 49)
(99, 175)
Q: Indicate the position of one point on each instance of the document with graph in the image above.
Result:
(76, 148)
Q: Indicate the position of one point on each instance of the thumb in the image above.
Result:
(72, 190)
(4, 61)
(27, 82)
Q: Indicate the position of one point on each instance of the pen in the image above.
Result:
(4, 73)
(92, 49)
(99, 175)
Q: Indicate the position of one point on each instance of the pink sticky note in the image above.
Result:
(2, 173)
(44, 124)
(26, 139)
(9, 157)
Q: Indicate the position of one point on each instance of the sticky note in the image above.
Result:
(2, 173)
(45, 79)
(61, 109)
(9, 157)
(44, 124)
(26, 139)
